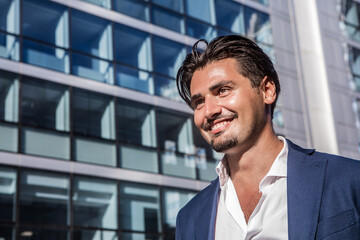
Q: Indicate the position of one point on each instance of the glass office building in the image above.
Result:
(95, 142)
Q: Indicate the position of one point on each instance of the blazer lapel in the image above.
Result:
(206, 213)
(305, 177)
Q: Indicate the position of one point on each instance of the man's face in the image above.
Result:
(229, 113)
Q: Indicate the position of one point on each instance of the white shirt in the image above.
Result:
(269, 218)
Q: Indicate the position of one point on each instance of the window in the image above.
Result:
(140, 208)
(42, 233)
(136, 126)
(176, 5)
(176, 142)
(44, 198)
(167, 19)
(9, 16)
(95, 203)
(230, 16)
(351, 11)
(7, 194)
(97, 234)
(133, 47)
(134, 8)
(200, 30)
(134, 79)
(101, 3)
(9, 47)
(354, 60)
(257, 26)
(206, 14)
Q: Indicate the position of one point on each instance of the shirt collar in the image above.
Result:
(277, 170)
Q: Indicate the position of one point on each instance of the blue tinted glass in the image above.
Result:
(168, 56)
(166, 87)
(7, 194)
(134, 79)
(200, 30)
(176, 5)
(8, 137)
(133, 8)
(229, 15)
(45, 56)
(201, 9)
(101, 3)
(9, 16)
(9, 47)
(354, 60)
(91, 34)
(92, 68)
(9, 96)
(257, 25)
(133, 47)
(167, 19)
(46, 21)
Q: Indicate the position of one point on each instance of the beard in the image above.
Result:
(224, 145)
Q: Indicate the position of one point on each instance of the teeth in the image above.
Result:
(220, 124)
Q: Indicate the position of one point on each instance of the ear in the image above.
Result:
(269, 90)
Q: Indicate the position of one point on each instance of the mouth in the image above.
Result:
(219, 126)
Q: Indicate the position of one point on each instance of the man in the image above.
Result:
(268, 187)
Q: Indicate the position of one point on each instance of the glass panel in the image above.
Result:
(200, 30)
(133, 8)
(352, 19)
(229, 15)
(206, 13)
(9, 16)
(9, 47)
(7, 194)
(139, 236)
(91, 34)
(354, 60)
(7, 232)
(178, 164)
(176, 5)
(264, 2)
(9, 96)
(45, 56)
(133, 47)
(168, 56)
(38, 233)
(175, 132)
(140, 208)
(167, 19)
(45, 104)
(92, 68)
(173, 201)
(93, 114)
(94, 151)
(44, 198)
(101, 3)
(136, 123)
(134, 79)
(95, 202)
(8, 137)
(45, 143)
(138, 158)
(166, 87)
(94, 235)
(46, 21)
(257, 25)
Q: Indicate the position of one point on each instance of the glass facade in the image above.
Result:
(73, 126)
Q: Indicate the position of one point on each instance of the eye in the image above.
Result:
(223, 91)
(198, 103)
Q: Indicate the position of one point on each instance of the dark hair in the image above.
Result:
(252, 62)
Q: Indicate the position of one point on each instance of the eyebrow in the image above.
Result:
(211, 88)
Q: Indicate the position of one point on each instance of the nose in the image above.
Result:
(212, 108)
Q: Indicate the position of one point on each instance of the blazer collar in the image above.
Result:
(305, 180)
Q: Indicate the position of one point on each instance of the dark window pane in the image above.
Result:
(38, 233)
(140, 236)
(176, 5)
(94, 235)
(44, 198)
(168, 19)
(201, 9)
(7, 194)
(200, 30)
(7, 232)
(229, 15)
(133, 8)
(9, 96)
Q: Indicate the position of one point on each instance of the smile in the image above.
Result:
(218, 127)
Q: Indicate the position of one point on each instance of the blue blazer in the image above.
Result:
(323, 197)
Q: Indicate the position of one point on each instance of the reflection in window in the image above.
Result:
(134, 79)
(257, 26)
(43, 233)
(167, 19)
(173, 201)
(168, 56)
(134, 8)
(9, 16)
(176, 5)
(354, 60)
(351, 11)
(229, 15)
(7, 194)
(132, 47)
(91, 35)
(9, 96)
(44, 198)
(200, 30)
(45, 104)
(7, 232)
(9, 47)
(166, 87)
(46, 21)
(95, 203)
(45, 56)
(93, 114)
(206, 14)
(8, 137)
(140, 208)
(94, 235)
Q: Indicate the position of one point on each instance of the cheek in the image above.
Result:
(198, 119)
